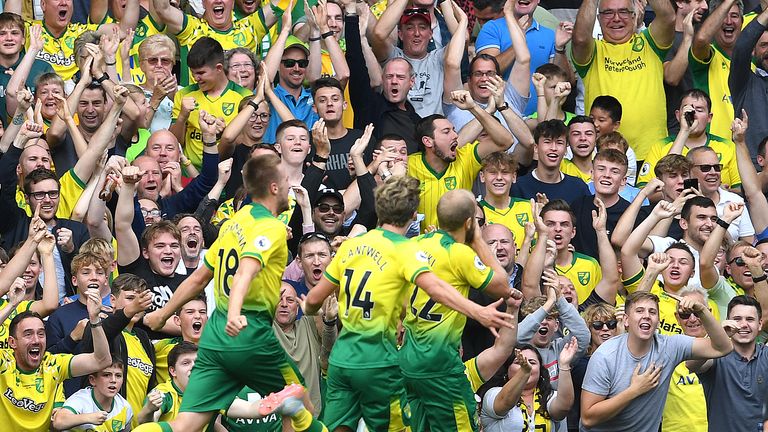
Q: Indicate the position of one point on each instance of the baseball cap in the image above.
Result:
(412, 13)
(329, 193)
(294, 42)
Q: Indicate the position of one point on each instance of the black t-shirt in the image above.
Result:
(336, 169)
(162, 287)
(239, 158)
(586, 238)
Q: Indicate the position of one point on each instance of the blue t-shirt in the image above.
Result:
(569, 188)
(540, 41)
(303, 109)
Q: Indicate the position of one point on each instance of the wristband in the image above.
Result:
(210, 144)
(315, 39)
(385, 175)
(319, 159)
(96, 324)
(563, 369)
(102, 78)
(502, 107)
(253, 104)
(110, 64)
(759, 278)
(723, 223)
(331, 322)
(560, 51)
(327, 34)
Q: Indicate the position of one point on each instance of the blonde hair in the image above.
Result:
(156, 42)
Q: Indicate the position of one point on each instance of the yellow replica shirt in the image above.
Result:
(726, 154)
(570, 168)
(245, 33)
(711, 75)
(584, 272)
(348, 116)
(633, 73)
(374, 273)
(223, 106)
(433, 331)
(255, 233)
(163, 347)
(667, 305)
(119, 414)
(514, 217)
(460, 174)
(172, 396)
(139, 371)
(59, 52)
(685, 409)
(24, 305)
(70, 189)
(473, 374)
(28, 398)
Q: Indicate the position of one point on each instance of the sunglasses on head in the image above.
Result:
(325, 208)
(289, 63)
(313, 235)
(598, 325)
(710, 167)
(415, 11)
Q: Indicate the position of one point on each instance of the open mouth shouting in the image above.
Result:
(197, 327)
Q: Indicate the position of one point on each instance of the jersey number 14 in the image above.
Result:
(362, 298)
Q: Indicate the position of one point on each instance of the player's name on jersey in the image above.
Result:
(365, 250)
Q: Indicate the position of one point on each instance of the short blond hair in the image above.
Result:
(155, 42)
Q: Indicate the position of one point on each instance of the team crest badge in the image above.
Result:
(583, 277)
(141, 30)
(239, 39)
(638, 44)
(522, 218)
(70, 42)
(39, 384)
(117, 425)
(450, 183)
(227, 108)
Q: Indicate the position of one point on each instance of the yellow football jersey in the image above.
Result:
(348, 116)
(28, 397)
(70, 189)
(460, 174)
(139, 371)
(245, 33)
(163, 347)
(712, 76)
(224, 106)
(172, 396)
(584, 272)
(433, 330)
(685, 408)
(255, 233)
(570, 168)
(473, 374)
(514, 217)
(633, 73)
(59, 52)
(726, 154)
(24, 305)
(374, 272)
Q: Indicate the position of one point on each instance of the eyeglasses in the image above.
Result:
(289, 63)
(325, 208)
(241, 66)
(314, 235)
(480, 220)
(163, 61)
(52, 194)
(709, 167)
(686, 315)
(147, 212)
(480, 74)
(598, 325)
(263, 117)
(610, 13)
(739, 261)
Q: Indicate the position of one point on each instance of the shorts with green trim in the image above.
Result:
(219, 375)
(374, 394)
(441, 404)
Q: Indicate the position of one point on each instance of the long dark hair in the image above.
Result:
(543, 384)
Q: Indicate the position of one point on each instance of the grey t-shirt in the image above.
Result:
(610, 371)
(426, 95)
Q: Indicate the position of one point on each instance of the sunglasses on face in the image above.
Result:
(598, 325)
(325, 208)
(710, 167)
(686, 315)
(289, 63)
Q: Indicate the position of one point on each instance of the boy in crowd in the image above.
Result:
(164, 401)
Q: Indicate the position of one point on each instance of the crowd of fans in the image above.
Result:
(451, 215)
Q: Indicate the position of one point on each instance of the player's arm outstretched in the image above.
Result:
(189, 289)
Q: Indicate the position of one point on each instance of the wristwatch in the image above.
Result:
(102, 78)
(502, 107)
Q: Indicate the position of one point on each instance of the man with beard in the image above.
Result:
(328, 214)
(192, 242)
(441, 152)
(711, 60)
(27, 354)
(247, 287)
(191, 320)
(734, 403)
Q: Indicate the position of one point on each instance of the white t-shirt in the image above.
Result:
(83, 402)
